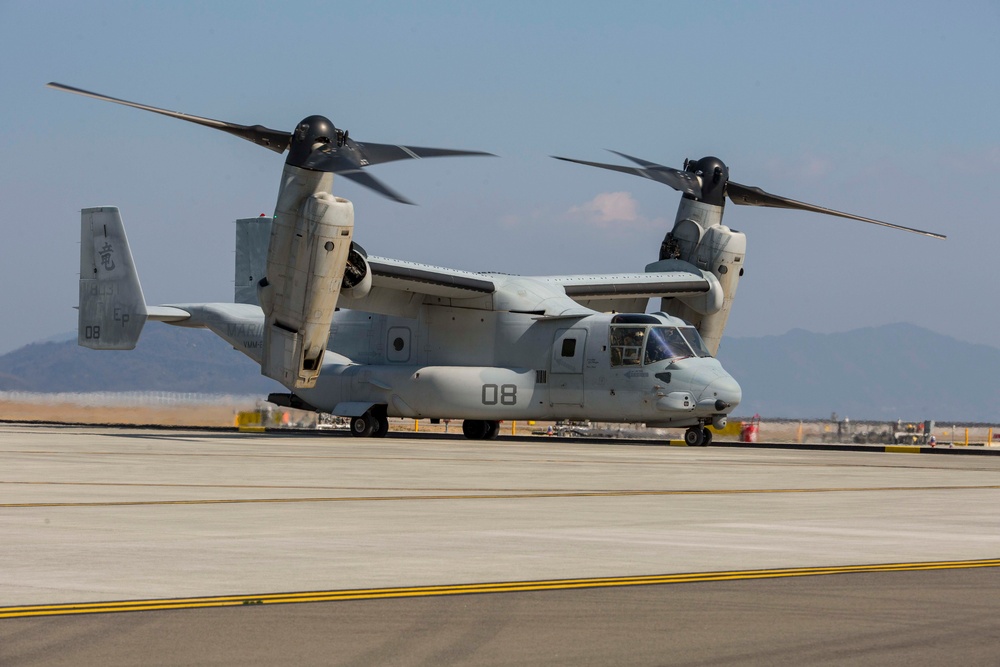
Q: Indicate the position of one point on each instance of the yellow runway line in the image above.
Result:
(469, 589)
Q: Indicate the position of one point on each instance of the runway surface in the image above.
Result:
(569, 551)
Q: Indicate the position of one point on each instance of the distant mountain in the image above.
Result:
(897, 371)
(166, 359)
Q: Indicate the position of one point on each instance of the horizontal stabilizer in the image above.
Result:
(169, 314)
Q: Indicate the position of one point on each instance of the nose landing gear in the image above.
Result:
(698, 436)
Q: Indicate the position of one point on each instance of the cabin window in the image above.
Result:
(398, 344)
(569, 347)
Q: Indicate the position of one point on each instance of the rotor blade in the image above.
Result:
(638, 161)
(334, 159)
(746, 195)
(678, 180)
(364, 178)
(276, 140)
(382, 153)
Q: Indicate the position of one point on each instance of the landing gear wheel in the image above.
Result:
(694, 436)
(475, 429)
(381, 427)
(492, 430)
(706, 439)
(362, 426)
(379, 419)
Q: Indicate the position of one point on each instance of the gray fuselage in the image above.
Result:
(471, 364)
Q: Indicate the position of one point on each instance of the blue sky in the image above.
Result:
(887, 110)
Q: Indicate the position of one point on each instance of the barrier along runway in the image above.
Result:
(98, 521)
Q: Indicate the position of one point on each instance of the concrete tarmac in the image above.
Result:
(97, 515)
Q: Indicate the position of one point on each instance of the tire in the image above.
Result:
(381, 426)
(706, 437)
(474, 429)
(693, 436)
(362, 426)
(492, 430)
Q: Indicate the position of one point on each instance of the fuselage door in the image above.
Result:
(566, 373)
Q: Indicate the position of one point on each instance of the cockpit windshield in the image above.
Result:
(665, 343)
(694, 340)
(632, 344)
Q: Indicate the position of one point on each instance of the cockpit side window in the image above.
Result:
(626, 345)
(694, 340)
(665, 343)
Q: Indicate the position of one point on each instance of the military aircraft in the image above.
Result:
(370, 338)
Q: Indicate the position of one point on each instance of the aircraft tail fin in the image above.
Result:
(252, 238)
(112, 307)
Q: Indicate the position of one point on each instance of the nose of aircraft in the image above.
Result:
(724, 389)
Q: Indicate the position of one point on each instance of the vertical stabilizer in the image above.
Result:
(112, 308)
(252, 238)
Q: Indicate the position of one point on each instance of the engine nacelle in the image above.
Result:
(700, 238)
(357, 281)
(306, 259)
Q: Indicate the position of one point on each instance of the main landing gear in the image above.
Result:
(372, 424)
(697, 436)
(480, 429)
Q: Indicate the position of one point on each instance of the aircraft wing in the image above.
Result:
(631, 285)
(395, 274)
(630, 292)
(401, 287)
(454, 283)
